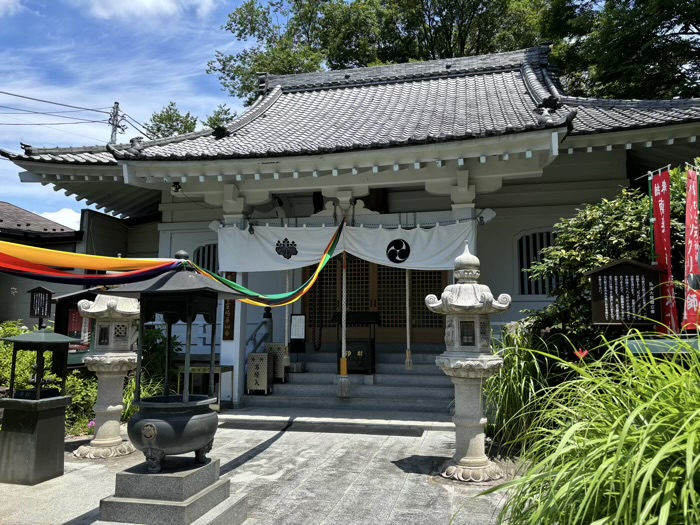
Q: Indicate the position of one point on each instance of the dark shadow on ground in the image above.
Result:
(427, 465)
(73, 444)
(255, 451)
(86, 518)
(327, 428)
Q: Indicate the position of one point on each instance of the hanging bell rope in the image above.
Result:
(409, 359)
(344, 380)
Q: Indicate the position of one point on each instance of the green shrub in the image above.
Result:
(513, 395)
(25, 360)
(154, 352)
(619, 444)
(149, 387)
(82, 387)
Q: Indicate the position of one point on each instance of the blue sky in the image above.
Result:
(91, 53)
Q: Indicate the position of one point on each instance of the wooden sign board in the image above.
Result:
(626, 293)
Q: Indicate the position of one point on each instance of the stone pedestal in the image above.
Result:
(469, 462)
(111, 369)
(180, 494)
(32, 440)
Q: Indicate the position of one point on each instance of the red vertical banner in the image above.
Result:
(661, 199)
(692, 267)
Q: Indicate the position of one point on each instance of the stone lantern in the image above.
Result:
(468, 361)
(114, 334)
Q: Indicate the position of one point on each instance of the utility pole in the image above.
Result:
(114, 122)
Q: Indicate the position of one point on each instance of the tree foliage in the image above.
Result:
(598, 234)
(221, 117)
(170, 121)
(626, 48)
(606, 48)
(298, 36)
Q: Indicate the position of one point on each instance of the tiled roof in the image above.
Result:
(86, 155)
(416, 103)
(17, 219)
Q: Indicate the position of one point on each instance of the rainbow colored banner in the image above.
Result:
(45, 265)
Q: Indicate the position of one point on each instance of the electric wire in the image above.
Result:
(51, 123)
(62, 130)
(56, 114)
(54, 103)
(136, 125)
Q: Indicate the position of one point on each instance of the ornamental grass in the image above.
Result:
(618, 443)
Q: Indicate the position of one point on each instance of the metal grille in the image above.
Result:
(391, 296)
(424, 283)
(529, 252)
(357, 285)
(324, 300)
(207, 257)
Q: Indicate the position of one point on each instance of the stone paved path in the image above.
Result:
(299, 473)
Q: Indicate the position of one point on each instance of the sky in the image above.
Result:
(91, 53)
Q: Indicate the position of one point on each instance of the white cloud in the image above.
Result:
(11, 7)
(66, 217)
(145, 9)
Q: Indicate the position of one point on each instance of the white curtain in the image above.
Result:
(272, 248)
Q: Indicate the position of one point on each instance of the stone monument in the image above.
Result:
(114, 334)
(468, 360)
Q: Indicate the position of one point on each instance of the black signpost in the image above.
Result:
(626, 293)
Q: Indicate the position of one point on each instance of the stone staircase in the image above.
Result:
(424, 389)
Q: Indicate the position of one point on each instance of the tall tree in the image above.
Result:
(627, 48)
(300, 36)
(169, 121)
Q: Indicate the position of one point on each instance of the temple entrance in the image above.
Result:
(374, 288)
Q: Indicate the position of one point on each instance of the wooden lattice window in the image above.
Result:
(424, 283)
(323, 299)
(391, 297)
(207, 257)
(358, 285)
(529, 251)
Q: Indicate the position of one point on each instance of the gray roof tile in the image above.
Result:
(400, 104)
(13, 218)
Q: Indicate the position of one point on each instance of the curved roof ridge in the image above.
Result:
(261, 105)
(537, 56)
(609, 103)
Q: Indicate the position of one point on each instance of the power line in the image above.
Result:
(62, 130)
(51, 123)
(134, 123)
(54, 103)
(20, 111)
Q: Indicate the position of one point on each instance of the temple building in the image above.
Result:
(417, 158)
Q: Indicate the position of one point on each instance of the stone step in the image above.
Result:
(317, 378)
(370, 391)
(379, 357)
(159, 512)
(380, 368)
(180, 479)
(437, 406)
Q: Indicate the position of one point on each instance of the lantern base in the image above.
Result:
(96, 452)
(489, 472)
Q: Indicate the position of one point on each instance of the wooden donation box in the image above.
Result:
(626, 293)
(260, 373)
(360, 350)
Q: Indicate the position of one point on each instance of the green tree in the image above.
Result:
(598, 234)
(221, 117)
(625, 48)
(298, 36)
(169, 121)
